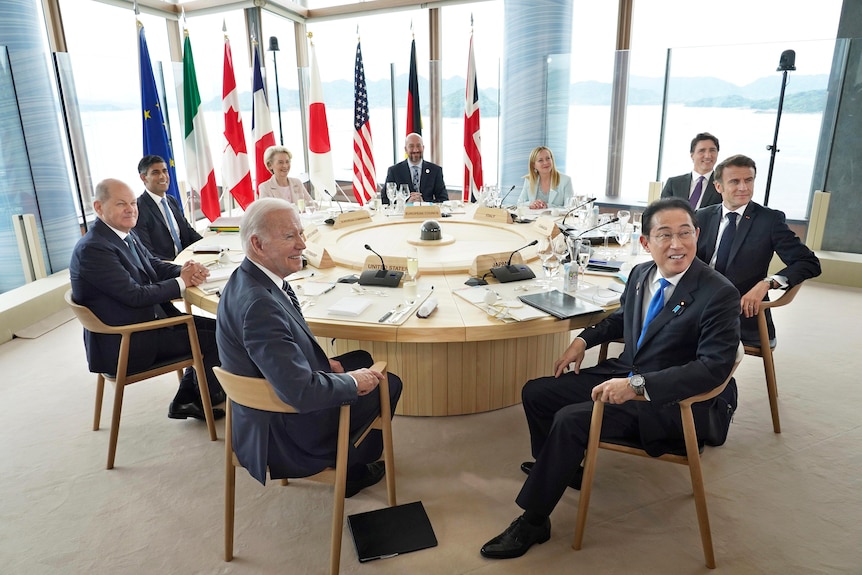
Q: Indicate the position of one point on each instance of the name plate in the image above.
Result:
(394, 263)
(498, 215)
(312, 232)
(317, 256)
(547, 226)
(425, 212)
(351, 219)
(483, 263)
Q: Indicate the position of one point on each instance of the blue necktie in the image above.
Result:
(655, 305)
(695, 195)
(135, 257)
(292, 295)
(177, 244)
(725, 243)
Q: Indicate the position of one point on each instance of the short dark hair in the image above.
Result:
(737, 161)
(703, 136)
(147, 161)
(663, 205)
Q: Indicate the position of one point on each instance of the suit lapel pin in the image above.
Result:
(427, 171)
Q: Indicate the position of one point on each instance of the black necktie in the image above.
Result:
(292, 295)
(725, 243)
(135, 257)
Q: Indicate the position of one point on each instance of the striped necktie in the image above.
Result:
(292, 295)
(695, 195)
(415, 177)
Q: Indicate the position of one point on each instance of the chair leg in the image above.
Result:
(388, 452)
(119, 389)
(100, 394)
(693, 456)
(771, 388)
(203, 386)
(339, 489)
(229, 487)
(589, 471)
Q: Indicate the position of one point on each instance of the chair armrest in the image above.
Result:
(151, 325)
(785, 298)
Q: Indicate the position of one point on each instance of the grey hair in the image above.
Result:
(102, 193)
(254, 220)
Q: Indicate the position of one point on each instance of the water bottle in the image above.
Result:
(636, 240)
(594, 217)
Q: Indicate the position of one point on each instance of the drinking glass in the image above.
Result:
(391, 191)
(579, 253)
(412, 262)
(545, 251)
(605, 228)
(624, 216)
(300, 205)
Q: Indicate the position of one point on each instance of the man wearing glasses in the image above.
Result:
(679, 321)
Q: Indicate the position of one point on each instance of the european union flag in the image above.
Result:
(155, 131)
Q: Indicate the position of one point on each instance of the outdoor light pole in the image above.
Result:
(273, 47)
(785, 64)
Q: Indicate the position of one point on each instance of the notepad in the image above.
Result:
(558, 304)
(349, 306)
(391, 531)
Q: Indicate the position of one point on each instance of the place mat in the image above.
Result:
(505, 306)
(380, 302)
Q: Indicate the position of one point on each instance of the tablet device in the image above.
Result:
(558, 304)
(391, 531)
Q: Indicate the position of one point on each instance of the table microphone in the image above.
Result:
(506, 195)
(512, 273)
(613, 220)
(381, 277)
(331, 221)
(576, 208)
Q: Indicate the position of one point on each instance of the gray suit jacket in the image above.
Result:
(680, 186)
(261, 334)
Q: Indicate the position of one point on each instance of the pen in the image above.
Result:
(385, 317)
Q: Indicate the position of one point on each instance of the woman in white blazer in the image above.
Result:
(545, 187)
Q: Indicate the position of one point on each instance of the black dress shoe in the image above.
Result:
(373, 474)
(516, 539)
(217, 397)
(185, 410)
(575, 483)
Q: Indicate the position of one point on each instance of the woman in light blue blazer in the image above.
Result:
(545, 187)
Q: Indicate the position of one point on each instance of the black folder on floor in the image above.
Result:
(391, 531)
(558, 304)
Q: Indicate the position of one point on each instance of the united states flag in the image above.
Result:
(472, 135)
(364, 177)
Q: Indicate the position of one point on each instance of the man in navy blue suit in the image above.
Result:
(161, 225)
(760, 233)
(414, 170)
(121, 282)
(680, 323)
(697, 186)
(261, 333)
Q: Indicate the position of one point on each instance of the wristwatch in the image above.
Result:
(771, 283)
(637, 383)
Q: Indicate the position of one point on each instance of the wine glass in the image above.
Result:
(605, 227)
(404, 193)
(300, 205)
(550, 263)
(624, 216)
(391, 192)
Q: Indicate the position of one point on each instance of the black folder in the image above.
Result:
(391, 531)
(558, 304)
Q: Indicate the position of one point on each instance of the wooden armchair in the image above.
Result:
(121, 378)
(765, 351)
(257, 393)
(690, 459)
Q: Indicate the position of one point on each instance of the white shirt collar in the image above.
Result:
(279, 282)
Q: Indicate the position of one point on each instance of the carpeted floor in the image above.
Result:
(779, 504)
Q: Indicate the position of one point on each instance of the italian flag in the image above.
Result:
(199, 163)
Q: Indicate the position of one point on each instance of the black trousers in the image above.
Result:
(558, 414)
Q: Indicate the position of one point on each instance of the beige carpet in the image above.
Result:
(782, 504)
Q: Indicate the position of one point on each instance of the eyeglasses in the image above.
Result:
(665, 238)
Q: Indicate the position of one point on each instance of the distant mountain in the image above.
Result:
(803, 94)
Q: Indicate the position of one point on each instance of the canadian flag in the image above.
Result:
(236, 176)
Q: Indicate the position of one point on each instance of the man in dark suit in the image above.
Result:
(679, 321)
(161, 225)
(759, 233)
(115, 276)
(261, 333)
(698, 186)
(414, 169)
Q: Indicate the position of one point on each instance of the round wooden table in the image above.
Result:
(459, 360)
